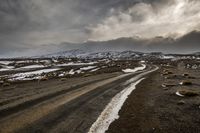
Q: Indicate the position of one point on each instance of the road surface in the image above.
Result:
(65, 108)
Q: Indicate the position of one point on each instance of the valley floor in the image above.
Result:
(166, 101)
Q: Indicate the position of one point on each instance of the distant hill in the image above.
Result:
(187, 44)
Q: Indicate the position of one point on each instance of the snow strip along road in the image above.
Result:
(74, 110)
(110, 113)
(135, 69)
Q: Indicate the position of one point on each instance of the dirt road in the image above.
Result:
(153, 108)
(69, 106)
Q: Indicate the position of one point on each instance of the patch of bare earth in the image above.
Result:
(153, 108)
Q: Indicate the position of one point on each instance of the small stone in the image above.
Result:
(6, 84)
(63, 79)
(186, 82)
(181, 102)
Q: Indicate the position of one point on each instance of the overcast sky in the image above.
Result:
(26, 24)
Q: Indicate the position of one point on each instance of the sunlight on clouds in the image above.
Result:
(175, 20)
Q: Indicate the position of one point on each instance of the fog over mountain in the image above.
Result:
(31, 27)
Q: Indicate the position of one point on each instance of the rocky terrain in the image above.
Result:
(109, 92)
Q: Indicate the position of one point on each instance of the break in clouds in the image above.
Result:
(26, 25)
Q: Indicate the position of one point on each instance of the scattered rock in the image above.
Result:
(166, 70)
(1, 82)
(181, 102)
(187, 92)
(167, 85)
(186, 82)
(6, 84)
(170, 76)
(166, 77)
(43, 79)
(178, 94)
(167, 73)
(165, 88)
(63, 79)
(87, 75)
(190, 77)
(185, 75)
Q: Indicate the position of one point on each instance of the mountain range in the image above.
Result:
(186, 44)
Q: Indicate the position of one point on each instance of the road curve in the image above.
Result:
(71, 111)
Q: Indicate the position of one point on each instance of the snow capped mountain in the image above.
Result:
(128, 54)
(70, 54)
(109, 54)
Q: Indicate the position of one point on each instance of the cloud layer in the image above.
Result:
(27, 26)
(147, 20)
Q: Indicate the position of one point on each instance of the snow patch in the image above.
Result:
(167, 57)
(110, 113)
(94, 70)
(88, 68)
(78, 71)
(6, 68)
(32, 66)
(178, 94)
(135, 69)
(6, 62)
(76, 64)
(71, 72)
(27, 75)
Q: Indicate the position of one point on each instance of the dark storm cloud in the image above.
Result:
(26, 25)
(173, 18)
(186, 44)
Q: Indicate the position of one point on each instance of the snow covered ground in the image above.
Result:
(6, 68)
(6, 62)
(30, 75)
(94, 70)
(28, 65)
(32, 66)
(81, 70)
(76, 64)
(110, 113)
(88, 68)
(135, 69)
(178, 94)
